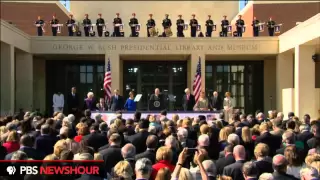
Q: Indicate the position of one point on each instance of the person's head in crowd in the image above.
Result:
(186, 123)
(37, 125)
(260, 116)
(316, 165)
(175, 118)
(205, 129)
(164, 154)
(112, 131)
(179, 123)
(309, 173)
(239, 152)
(98, 118)
(59, 147)
(306, 119)
(82, 129)
(279, 163)
(152, 142)
(261, 151)
(87, 113)
(171, 142)
(94, 128)
(210, 168)
(50, 122)
(228, 150)
(290, 115)
(152, 119)
(66, 155)
(203, 140)
(115, 139)
(45, 129)
(185, 174)
(250, 118)
(26, 126)
(280, 116)
(27, 140)
(255, 130)
(288, 138)
(84, 148)
(13, 137)
(291, 125)
(246, 135)
(19, 155)
(118, 114)
(143, 168)
(266, 176)
(263, 128)
(152, 130)
(304, 128)
(249, 170)
(163, 174)
(137, 116)
(218, 124)
(182, 134)
(64, 132)
(143, 125)
(83, 157)
(60, 116)
(128, 151)
(243, 117)
(312, 158)
(129, 122)
(316, 129)
(292, 156)
(276, 124)
(224, 133)
(97, 156)
(103, 127)
(233, 139)
(163, 113)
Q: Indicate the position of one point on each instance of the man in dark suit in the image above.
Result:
(289, 139)
(26, 145)
(235, 170)
(263, 161)
(313, 142)
(215, 102)
(116, 102)
(188, 100)
(150, 153)
(185, 142)
(73, 101)
(156, 101)
(304, 134)
(280, 168)
(102, 105)
(226, 160)
(272, 141)
(95, 139)
(112, 155)
(139, 139)
(45, 142)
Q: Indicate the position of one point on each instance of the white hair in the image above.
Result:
(71, 118)
(309, 172)
(210, 167)
(144, 166)
(280, 115)
(171, 141)
(90, 94)
(204, 140)
(152, 129)
(233, 139)
(182, 132)
(186, 90)
(266, 176)
(83, 156)
(64, 130)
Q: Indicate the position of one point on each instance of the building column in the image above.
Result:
(193, 68)
(304, 82)
(39, 79)
(270, 96)
(24, 81)
(284, 78)
(7, 79)
(116, 71)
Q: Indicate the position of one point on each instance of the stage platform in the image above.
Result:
(107, 116)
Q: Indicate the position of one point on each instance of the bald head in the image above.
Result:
(279, 163)
(128, 151)
(203, 140)
(152, 142)
(239, 152)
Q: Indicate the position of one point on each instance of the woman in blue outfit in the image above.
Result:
(130, 105)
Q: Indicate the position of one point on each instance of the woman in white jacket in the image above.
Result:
(58, 102)
(228, 106)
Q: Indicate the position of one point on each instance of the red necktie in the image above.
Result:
(188, 97)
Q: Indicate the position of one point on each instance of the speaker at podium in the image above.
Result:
(156, 103)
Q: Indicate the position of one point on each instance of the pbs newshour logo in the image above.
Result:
(11, 170)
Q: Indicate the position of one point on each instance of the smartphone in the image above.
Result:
(192, 150)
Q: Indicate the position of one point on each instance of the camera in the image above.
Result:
(316, 58)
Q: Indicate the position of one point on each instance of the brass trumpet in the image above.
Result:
(74, 28)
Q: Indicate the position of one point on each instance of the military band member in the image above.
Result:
(150, 24)
(70, 24)
(239, 25)
(116, 29)
(270, 25)
(255, 26)
(54, 21)
(224, 26)
(100, 24)
(180, 26)
(133, 22)
(87, 25)
(209, 24)
(40, 27)
(166, 23)
(193, 25)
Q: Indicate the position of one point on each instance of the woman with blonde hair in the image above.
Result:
(202, 104)
(59, 147)
(163, 174)
(295, 162)
(122, 170)
(12, 143)
(228, 107)
(82, 130)
(163, 157)
(223, 137)
(247, 141)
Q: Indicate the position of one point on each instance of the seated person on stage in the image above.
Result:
(102, 106)
(216, 102)
(130, 105)
(156, 102)
(202, 104)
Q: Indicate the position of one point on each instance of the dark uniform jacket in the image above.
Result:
(166, 23)
(117, 21)
(99, 21)
(270, 24)
(254, 23)
(86, 22)
(193, 22)
(180, 23)
(133, 21)
(240, 22)
(151, 23)
(224, 23)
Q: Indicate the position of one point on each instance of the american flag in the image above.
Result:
(107, 81)
(197, 82)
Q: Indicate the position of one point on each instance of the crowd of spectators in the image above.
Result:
(246, 147)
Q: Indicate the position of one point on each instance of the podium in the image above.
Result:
(156, 103)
